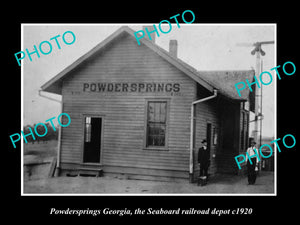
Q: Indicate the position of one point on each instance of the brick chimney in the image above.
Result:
(173, 48)
(153, 35)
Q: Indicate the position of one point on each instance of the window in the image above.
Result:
(88, 128)
(215, 136)
(246, 106)
(156, 124)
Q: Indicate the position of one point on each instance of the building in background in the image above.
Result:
(132, 112)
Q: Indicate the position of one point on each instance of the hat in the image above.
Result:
(204, 141)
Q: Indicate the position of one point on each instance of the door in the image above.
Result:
(92, 139)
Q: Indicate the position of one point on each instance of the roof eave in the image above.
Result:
(182, 66)
(54, 85)
(56, 81)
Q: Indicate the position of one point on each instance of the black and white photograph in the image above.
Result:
(149, 109)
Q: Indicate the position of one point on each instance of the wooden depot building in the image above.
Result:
(140, 111)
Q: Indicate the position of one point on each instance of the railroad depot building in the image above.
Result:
(139, 110)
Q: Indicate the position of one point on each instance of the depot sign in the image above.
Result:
(131, 87)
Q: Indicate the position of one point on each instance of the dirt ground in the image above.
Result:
(220, 184)
(37, 182)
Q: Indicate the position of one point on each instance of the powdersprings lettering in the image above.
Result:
(131, 87)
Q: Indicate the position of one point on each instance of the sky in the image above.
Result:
(203, 46)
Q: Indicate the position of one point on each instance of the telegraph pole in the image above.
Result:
(258, 104)
(261, 107)
(258, 52)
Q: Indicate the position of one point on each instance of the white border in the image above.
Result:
(163, 194)
(275, 112)
(22, 115)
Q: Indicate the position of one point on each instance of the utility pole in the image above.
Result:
(261, 105)
(257, 70)
(258, 105)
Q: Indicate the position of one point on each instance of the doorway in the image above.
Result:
(92, 139)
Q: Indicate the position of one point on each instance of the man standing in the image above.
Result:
(252, 168)
(204, 158)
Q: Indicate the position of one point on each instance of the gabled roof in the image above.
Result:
(54, 85)
(221, 80)
(225, 81)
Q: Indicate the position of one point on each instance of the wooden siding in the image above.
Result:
(124, 113)
(224, 116)
(230, 136)
(244, 124)
(206, 112)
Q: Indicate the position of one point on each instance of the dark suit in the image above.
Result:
(251, 167)
(204, 160)
(251, 171)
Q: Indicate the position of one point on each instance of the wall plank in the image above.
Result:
(124, 113)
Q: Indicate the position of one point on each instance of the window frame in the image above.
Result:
(215, 135)
(87, 128)
(166, 146)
